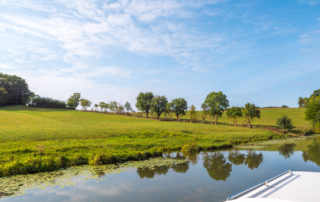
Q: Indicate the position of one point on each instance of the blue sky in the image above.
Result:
(264, 52)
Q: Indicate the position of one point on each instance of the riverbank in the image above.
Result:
(37, 140)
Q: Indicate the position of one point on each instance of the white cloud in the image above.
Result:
(6, 67)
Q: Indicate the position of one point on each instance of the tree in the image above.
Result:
(85, 104)
(179, 107)
(113, 106)
(303, 102)
(234, 113)
(250, 111)
(204, 113)
(119, 108)
(102, 105)
(158, 105)
(45, 102)
(144, 102)
(13, 90)
(313, 110)
(285, 123)
(96, 107)
(73, 101)
(192, 113)
(128, 107)
(216, 103)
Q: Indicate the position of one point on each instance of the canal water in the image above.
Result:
(207, 176)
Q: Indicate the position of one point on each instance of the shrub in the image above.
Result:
(285, 123)
(189, 148)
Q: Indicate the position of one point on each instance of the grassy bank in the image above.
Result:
(34, 140)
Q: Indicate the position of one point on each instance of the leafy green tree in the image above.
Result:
(144, 102)
(205, 111)
(250, 111)
(120, 108)
(45, 102)
(96, 107)
(313, 111)
(102, 105)
(13, 90)
(85, 104)
(74, 100)
(234, 113)
(179, 107)
(128, 107)
(158, 105)
(113, 106)
(285, 123)
(303, 102)
(193, 113)
(216, 103)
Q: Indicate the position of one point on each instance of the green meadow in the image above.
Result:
(35, 140)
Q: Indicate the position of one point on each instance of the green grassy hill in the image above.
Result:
(268, 117)
(34, 140)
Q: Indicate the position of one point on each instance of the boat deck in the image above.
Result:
(290, 186)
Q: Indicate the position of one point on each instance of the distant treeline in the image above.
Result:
(14, 91)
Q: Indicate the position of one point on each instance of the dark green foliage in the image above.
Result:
(74, 100)
(128, 107)
(250, 111)
(44, 102)
(313, 111)
(159, 105)
(215, 103)
(144, 102)
(313, 153)
(303, 102)
(13, 90)
(178, 106)
(285, 123)
(234, 113)
(85, 104)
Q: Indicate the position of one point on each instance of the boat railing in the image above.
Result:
(249, 189)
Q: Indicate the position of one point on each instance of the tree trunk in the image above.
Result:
(249, 123)
(235, 122)
(215, 119)
(147, 114)
(177, 115)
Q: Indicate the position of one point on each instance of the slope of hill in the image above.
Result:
(33, 140)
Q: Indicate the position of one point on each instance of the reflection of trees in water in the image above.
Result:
(286, 150)
(313, 153)
(146, 172)
(236, 157)
(253, 160)
(181, 168)
(150, 172)
(192, 157)
(216, 166)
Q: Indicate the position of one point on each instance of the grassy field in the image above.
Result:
(34, 140)
(268, 117)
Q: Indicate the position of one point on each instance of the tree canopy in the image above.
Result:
(285, 123)
(313, 110)
(144, 102)
(215, 103)
(85, 104)
(178, 106)
(234, 113)
(74, 100)
(159, 105)
(13, 90)
(251, 111)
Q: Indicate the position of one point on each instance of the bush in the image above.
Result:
(44, 102)
(285, 123)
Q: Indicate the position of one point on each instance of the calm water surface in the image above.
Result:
(208, 176)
